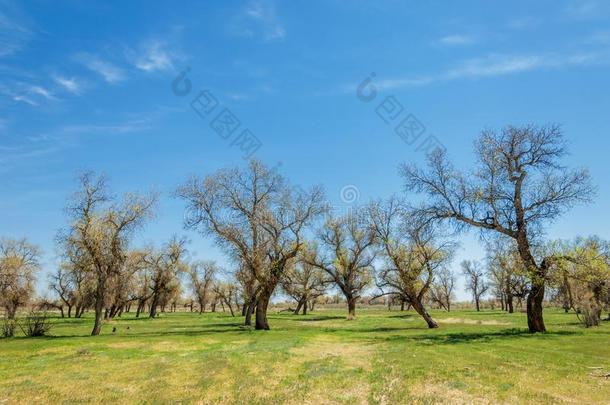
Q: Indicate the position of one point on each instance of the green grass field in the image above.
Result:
(380, 358)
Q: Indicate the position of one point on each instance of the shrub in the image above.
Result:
(35, 324)
(8, 328)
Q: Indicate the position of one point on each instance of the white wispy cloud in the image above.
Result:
(129, 126)
(154, 56)
(498, 65)
(14, 34)
(522, 23)
(495, 65)
(70, 84)
(31, 94)
(130, 123)
(58, 139)
(456, 39)
(21, 153)
(14, 158)
(599, 37)
(24, 99)
(588, 9)
(237, 96)
(110, 72)
(41, 91)
(259, 18)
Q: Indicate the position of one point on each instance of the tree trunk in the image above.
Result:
(99, 309)
(244, 308)
(567, 295)
(249, 311)
(228, 302)
(535, 322)
(153, 306)
(299, 305)
(100, 293)
(305, 306)
(261, 322)
(402, 305)
(421, 310)
(351, 308)
(69, 311)
(509, 304)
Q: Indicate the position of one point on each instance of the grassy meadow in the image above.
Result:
(382, 357)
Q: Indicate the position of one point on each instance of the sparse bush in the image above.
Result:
(589, 315)
(8, 328)
(35, 324)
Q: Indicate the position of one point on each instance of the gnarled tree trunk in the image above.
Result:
(249, 311)
(99, 308)
(351, 308)
(421, 310)
(535, 322)
(261, 322)
(299, 306)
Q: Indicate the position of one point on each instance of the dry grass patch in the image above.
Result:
(352, 354)
(473, 322)
(439, 393)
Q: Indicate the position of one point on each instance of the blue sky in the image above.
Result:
(88, 86)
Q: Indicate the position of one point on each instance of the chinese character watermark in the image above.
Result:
(220, 118)
(405, 124)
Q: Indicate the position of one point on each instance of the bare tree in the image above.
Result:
(304, 283)
(225, 293)
(257, 218)
(247, 288)
(413, 253)
(475, 281)
(441, 290)
(346, 253)
(165, 267)
(101, 228)
(506, 273)
(202, 276)
(19, 263)
(122, 285)
(61, 283)
(77, 276)
(518, 186)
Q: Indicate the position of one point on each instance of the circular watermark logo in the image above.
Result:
(350, 194)
(191, 216)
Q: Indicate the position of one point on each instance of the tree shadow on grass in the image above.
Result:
(199, 330)
(479, 337)
(356, 331)
(301, 318)
(403, 316)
